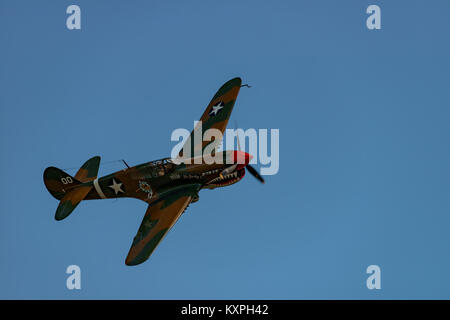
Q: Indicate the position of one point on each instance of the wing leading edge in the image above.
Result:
(158, 220)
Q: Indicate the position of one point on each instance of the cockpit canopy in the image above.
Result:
(161, 167)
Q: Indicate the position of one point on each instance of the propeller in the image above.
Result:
(250, 169)
(255, 173)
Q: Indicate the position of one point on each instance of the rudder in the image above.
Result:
(58, 182)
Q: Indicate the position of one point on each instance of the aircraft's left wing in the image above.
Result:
(158, 220)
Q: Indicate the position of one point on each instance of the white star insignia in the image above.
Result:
(216, 108)
(116, 187)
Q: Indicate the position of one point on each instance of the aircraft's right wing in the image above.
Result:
(216, 116)
(158, 220)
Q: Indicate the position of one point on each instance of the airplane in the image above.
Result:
(167, 185)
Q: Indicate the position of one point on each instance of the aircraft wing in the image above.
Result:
(159, 218)
(215, 116)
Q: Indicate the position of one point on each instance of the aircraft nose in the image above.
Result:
(242, 157)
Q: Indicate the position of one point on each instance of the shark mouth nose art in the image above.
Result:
(228, 179)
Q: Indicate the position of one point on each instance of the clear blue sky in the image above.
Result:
(364, 146)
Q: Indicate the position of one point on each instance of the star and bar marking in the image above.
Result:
(116, 186)
(216, 108)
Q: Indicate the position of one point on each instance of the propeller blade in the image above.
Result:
(255, 173)
(250, 169)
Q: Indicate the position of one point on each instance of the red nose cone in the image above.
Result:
(242, 158)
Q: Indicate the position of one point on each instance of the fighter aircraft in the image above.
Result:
(167, 185)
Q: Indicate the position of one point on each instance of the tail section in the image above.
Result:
(58, 182)
(89, 170)
(70, 201)
(70, 190)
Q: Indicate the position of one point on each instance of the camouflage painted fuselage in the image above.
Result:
(153, 180)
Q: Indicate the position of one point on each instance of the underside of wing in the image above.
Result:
(216, 116)
(159, 218)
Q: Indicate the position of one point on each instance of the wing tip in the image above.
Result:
(132, 261)
(229, 85)
(237, 81)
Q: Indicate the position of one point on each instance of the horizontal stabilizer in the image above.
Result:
(89, 170)
(70, 201)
